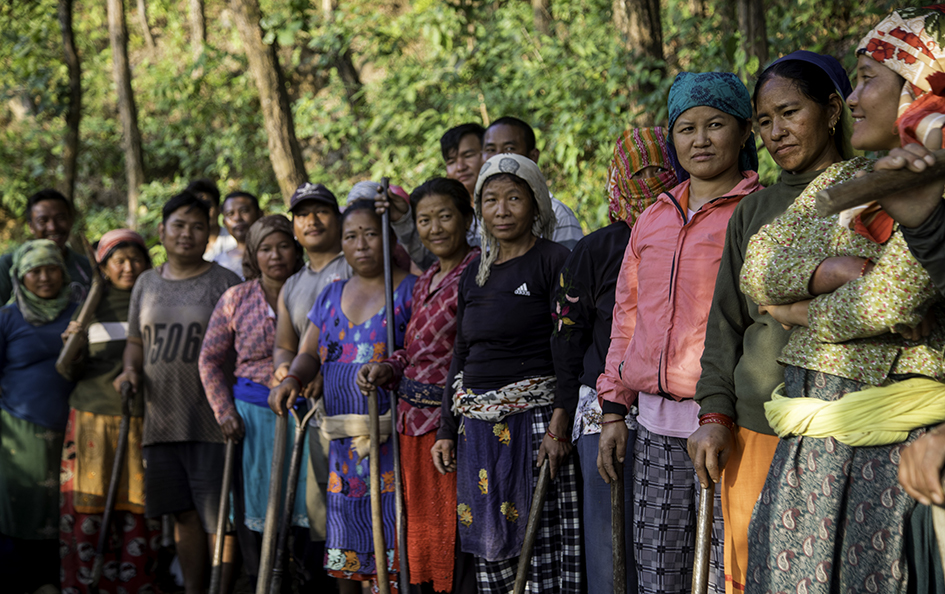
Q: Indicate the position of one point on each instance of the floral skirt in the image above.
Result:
(349, 546)
(830, 517)
(131, 553)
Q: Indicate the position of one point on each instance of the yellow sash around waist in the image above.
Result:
(872, 417)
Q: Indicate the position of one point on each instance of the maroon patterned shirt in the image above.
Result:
(428, 343)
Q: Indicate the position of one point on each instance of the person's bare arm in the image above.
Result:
(287, 341)
(301, 372)
(132, 365)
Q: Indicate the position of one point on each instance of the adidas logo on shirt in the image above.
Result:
(523, 290)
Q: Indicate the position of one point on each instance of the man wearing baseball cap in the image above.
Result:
(316, 219)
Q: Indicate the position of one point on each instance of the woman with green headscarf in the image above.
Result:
(34, 406)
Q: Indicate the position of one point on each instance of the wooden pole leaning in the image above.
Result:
(223, 515)
(267, 555)
(877, 185)
(117, 466)
(70, 350)
(531, 528)
(618, 526)
(700, 566)
(292, 487)
(403, 576)
(377, 514)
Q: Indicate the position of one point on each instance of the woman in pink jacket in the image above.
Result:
(663, 297)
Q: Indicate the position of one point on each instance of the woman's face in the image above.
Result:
(441, 227)
(362, 243)
(708, 141)
(795, 128)
(44, 281)
(508, 210)
(124, 267)
(276, 256)
(874, 104)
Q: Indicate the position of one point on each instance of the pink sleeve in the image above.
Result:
(217, 342)
(609, 384)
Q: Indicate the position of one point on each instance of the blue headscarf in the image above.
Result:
(841, 83)
(721, 90)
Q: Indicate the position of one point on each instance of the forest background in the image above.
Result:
(354, 90)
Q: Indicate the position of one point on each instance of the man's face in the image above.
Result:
(51, 219)
(238, 215)
(185, 234)
(317, 226)
(464, 162)
(506, 139)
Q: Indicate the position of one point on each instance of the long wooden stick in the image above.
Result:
(292, 487)
(70, 349)
(223, 515)
(272, 505)
(377, 514)
(877, 185)
(700, 566)
(403, 576)
(117, 467)
(618, 529)
(531, 529)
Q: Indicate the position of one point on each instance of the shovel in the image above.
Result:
(117, 466)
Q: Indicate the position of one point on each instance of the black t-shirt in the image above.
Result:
(504, 332)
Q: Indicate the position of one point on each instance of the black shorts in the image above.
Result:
(181, 476)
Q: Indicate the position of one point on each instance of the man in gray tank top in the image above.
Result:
(317, 222)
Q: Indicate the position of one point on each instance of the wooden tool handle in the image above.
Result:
(618, 529)
(70, 350)
(700, 565)
(531, 529)
(877, 185)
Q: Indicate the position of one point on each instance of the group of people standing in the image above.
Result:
(716, 332)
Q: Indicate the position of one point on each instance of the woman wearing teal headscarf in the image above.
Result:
(663, 296)
(33, 412)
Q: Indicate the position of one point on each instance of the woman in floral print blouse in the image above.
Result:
(832, 516)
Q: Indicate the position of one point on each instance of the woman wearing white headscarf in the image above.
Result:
(494, 429)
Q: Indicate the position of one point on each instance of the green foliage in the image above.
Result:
(424, 67)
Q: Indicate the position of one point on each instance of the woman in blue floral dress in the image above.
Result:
(349, 329)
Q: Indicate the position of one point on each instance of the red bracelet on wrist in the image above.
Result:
(552, 435)
(863, 269)
(717, 418)
(295, 377)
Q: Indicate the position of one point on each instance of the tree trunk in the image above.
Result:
(70, 153)
(344, 64)
(639, 22)
(131, 136)
(198, 27)
(754, 37)
(284, 151)
(145, 28)
(542, 16)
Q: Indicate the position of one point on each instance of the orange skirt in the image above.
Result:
(430, 504)
(742, 480)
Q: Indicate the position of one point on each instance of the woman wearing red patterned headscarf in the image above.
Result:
(860, 382)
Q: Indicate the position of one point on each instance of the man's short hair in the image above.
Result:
(188, 200)
(527, 130)
(47, 194)
(241, 194)
(449, 142)
(207, 187)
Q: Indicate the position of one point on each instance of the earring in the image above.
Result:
(833, 128)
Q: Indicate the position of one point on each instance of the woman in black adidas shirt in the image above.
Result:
(495, 427)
